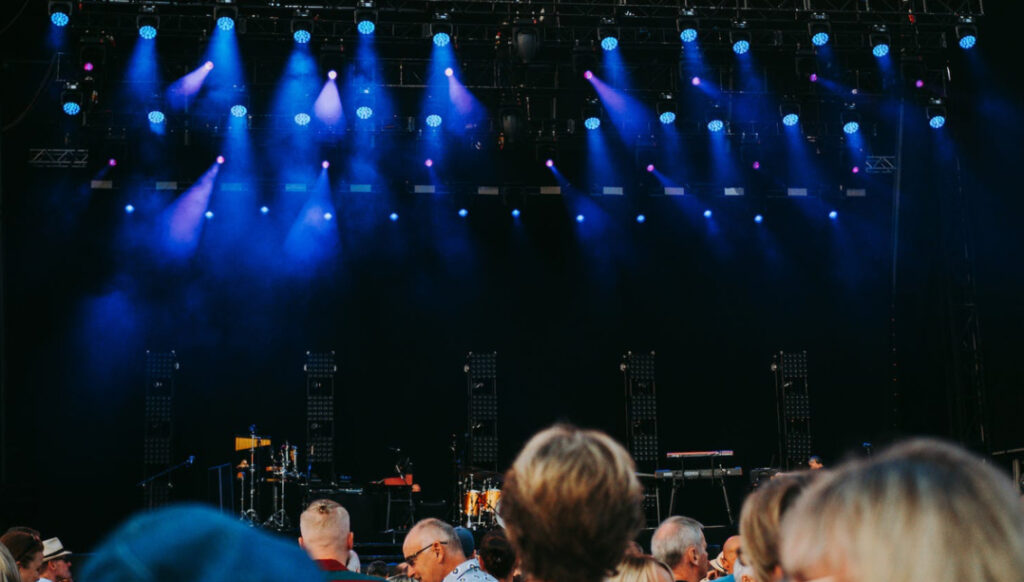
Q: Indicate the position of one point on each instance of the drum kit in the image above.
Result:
(268, 470)
(480, 493)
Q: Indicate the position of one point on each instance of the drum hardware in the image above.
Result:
(480, 495)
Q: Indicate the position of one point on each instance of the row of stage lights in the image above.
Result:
(819, 30)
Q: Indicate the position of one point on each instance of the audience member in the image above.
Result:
(722, 566)
(195, 544)
(467, 542)
(761, 519)
(814, 463)
(679, 542)
(56, 562)
(378, 568)
(25, 529)
(434, 553)
(496, 555)
(922, 510)
(571, 504)
(641, 569)
(327, 538)
(27, 552)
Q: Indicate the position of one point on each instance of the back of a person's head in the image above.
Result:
(641, 568)
(497, 557)
(197, 544)
(325, 524)
(570, 504)
(674, 536)
(922, 510)
(761, 521)
(21, 549)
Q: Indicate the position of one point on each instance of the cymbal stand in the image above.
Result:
(249, 515)
(279, 520)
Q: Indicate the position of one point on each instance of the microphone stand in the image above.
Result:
(146, 482)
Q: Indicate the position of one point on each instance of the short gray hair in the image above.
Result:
(443, 531)
(674, 536)
(325, 523)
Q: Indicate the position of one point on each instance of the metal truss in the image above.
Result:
(58, 158)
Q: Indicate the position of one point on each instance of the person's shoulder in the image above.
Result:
(348, 575)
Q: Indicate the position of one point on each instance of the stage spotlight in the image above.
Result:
(592, 123)
(588, 75)
(739, 37)
(855, 170)
(851, 127)
(756, 165)
(366, 19)
(128, 208)
(225, 17)
(364, 112)
(707, 214)
(332, 74)
(302, 27)
(112, 162)
(641, 218)
(463, 212)
(147, 31)
(608, 35)
(515, 213)
(393, 217)
(833, 215)
(716, 125)
(526, 40)
(790, 113)
(549, 163)
(967, 33)
(687, 26)
(208, 65)
(591, 113)
(609, 43)
(449, 72)
(851, 122)
(758, 218)
(220, 160)
(667, 118)
(790, 119)
(936, 112)
(442, 39)
(580, 218)
(71, 99)
(156, 117)
(60, 13)
(302, 119)
(325, 164)
(688, 35)
(239, 110)
(650, 168)
(819, 29)
(880, 40)
(428, 163)
(666, 108)
(328, 216)
(741, 46)
(225, 23)
(209, 214)
(264, 210)
(434, 120)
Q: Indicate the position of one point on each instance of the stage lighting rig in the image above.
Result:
(819, 29)
(936, 112)
(667, 109)
(608, 34)
(365, 16)
(147, 22)
(789, 113)
(302, 27)
(739, 37)
(880, 40)
(441, 30)
(687, 26)
(60, 13)
(225, 17)
(591, 113)
(850, 120)
(526, 40)
(966, 33)
(71, 99)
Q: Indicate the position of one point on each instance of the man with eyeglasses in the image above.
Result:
(434, 553)
(56, 562)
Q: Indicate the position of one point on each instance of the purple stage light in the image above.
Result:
(220, 159)
(756, 165)
(650, 167)
(550, 163)
(813, 77)
(449, 72)
(88, 67)
(588, 75)
(112, 162)
(429, 163)
(855, 170)
(325, 164)
(695, 81)
(332, 74)
(919, 83)
(208, 65)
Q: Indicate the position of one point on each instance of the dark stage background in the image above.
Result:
(403, 302)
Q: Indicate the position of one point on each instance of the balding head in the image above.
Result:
(679, 542)
(729, 549)
(326, 531)
(432, 550)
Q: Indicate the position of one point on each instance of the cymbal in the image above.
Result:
(477, 473)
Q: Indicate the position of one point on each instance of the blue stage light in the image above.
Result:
(393, 216)
(880, 50)
(833, 215)
(790, 119)
(264, 210)
(302, 36)
(758, 219)
(463, 212)
(851, 127)
(741, 47)
(209, 214)
(226, 23)
(641, 218)
(366, 27)
(147, 32)
(707, 214)
(60, 19)
(966, 43)
(515, 213)
(442, 39)
(128, 208)
(433, 120)
(609, 43)
(302, 119)
(937, 121)
(238, 110)
(591, 123)
(580, 218)
(328, 216)
(716, 125)
(364, 112)
(820, 39)
(667, 117)
(72, 108)
(156, 117)
(688, 35)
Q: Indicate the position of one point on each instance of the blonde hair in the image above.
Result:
(639, 569)
(923, 510)
(571, 503)
(761, 519)
(325, 524)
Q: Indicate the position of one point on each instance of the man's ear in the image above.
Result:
(693, 555)
(301, 543)
(350, 542)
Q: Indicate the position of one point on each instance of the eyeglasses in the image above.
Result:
(411, 560)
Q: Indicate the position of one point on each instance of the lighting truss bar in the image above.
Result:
(880, 164)
(58, 158)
